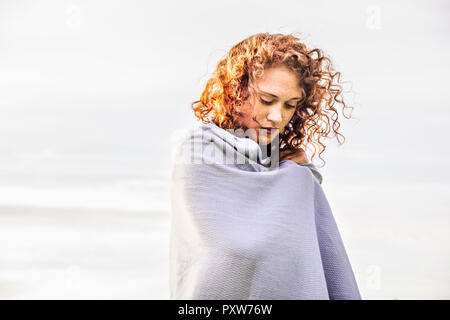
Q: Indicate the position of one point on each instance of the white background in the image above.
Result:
(93, 92)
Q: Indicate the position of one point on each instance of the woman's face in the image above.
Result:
(277, 94)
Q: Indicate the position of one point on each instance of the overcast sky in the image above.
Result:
(91, 93)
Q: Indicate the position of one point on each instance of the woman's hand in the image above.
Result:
(298, 156)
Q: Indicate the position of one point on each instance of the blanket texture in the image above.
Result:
(243, 230)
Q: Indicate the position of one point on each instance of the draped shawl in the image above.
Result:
(244, 229)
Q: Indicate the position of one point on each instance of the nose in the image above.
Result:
(274, 116)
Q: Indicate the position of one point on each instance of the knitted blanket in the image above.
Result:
(243, 229)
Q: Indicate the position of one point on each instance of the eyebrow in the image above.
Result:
(271, 94)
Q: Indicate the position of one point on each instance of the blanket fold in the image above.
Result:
(243, 230)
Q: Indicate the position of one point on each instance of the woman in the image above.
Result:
(250, 219)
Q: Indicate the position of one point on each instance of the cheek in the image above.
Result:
(247, 111)
(289, 116)
(249, 107)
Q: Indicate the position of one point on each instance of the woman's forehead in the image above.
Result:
(273, 95)
(279, 83)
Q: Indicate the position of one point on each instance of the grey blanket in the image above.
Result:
(247, 231)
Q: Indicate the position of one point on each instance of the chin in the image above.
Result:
(263, 140)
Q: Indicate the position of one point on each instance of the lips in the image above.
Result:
(268, 129)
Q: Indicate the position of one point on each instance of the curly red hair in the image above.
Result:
(231, 84)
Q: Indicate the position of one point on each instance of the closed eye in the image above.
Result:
(268, 103)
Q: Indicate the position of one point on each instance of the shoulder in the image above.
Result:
(310, 166)
(195, 143)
